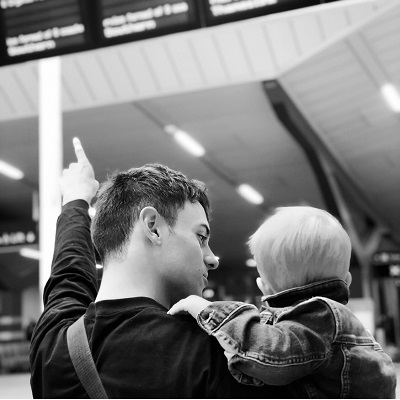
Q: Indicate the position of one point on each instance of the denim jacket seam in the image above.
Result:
(282, 312)
(279, 361)
(336, 315)
(203, 323)
(357, 341)
(269, 360)
(233, 343)
(276, 316)
(329, 348)
(344, 375)
(214, 322)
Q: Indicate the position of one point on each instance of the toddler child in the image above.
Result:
(304, 332)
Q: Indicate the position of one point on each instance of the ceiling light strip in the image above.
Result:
(10, 171)
(250, 194)
(185, 141)
(391, 96)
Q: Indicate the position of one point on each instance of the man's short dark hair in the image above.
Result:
(124, 194)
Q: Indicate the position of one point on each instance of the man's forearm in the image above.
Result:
(73, 271)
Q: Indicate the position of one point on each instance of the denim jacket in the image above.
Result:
(305, 334)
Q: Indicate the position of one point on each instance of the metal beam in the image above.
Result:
(298, 126)
(328, 171)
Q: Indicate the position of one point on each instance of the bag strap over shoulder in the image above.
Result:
(82, 360)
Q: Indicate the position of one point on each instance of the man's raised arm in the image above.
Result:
(74, 257)
(73, 284)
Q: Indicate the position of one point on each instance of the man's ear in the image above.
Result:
(149, 220)
(265, 289)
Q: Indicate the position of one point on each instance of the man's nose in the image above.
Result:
(210, 260)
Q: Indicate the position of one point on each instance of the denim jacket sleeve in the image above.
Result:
(296, 344)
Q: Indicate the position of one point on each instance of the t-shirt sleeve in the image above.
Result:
(73, 284)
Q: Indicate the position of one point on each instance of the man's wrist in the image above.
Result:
(68, 199)
(79, 203)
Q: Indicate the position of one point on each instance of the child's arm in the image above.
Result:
(191, 304)
(298, 343)
(202, 309)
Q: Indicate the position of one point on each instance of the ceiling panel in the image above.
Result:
(338, 91)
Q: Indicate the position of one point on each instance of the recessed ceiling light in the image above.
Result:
(186, 141)
(392, 96)
(10, 171)
(250, 194)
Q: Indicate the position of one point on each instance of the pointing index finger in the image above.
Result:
(80, 153)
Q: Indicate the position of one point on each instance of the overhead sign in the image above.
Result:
(146, 18)
(41, 27)
(221, 11)
(33, 29)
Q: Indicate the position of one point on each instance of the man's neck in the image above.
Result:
(119, 282)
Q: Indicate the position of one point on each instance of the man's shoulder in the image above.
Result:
(154, 316)
(142, 313)
(185, 353)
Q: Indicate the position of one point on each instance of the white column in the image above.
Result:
(50, 161)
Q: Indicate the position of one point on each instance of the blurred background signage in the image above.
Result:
(387, 264)
(32, 29)
(386, 257)
(17, 234)
(221, 11)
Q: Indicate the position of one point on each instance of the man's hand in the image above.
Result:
(192, 305)
(78, 181)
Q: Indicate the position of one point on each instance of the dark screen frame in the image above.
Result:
(87, 14)
(283, 5)
(92, 15)
(196, 23)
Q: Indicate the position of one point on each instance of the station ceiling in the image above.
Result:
(331, 63)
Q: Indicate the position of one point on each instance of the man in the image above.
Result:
(152, 232)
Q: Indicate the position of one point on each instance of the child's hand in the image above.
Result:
(192, 305)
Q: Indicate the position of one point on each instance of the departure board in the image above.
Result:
(33, 29)
(222, 11)
(129, 20)
(37, 28)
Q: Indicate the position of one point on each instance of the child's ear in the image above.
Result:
(348, 279)
(265, 289)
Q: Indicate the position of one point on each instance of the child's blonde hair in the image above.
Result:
(300, 245)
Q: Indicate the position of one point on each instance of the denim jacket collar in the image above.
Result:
(335, 289)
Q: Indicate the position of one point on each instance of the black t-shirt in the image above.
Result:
(139, 350)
